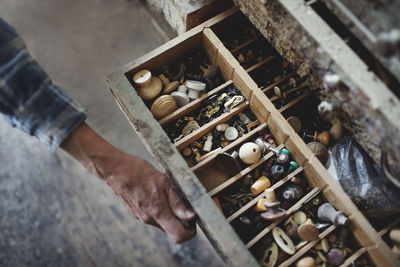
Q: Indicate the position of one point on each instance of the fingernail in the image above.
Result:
(189, 214)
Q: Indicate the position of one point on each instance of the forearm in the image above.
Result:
(90, 149)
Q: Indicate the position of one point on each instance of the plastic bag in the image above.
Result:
(363, 180)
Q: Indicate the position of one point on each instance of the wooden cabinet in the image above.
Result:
(198, 183)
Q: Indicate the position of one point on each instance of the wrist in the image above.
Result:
(92, 151)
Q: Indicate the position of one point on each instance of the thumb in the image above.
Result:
(177, 205)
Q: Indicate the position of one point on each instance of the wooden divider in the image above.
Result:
(261, 63)
(208, 126)
(256, 199)
(241, 173)
(243, 45)
(292, 209)
(353, 257)
(229, 147)
(307, 247)
(192, 105)
(295, 101)
(389, 227)
(272, 85)
(288, 92)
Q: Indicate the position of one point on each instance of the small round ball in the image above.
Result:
(249, 153)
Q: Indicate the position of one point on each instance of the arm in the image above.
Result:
(145, 191)
(30, 101)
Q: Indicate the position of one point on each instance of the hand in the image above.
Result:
(149, 196)
(146, 192)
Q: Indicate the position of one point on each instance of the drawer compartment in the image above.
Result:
(202, 182)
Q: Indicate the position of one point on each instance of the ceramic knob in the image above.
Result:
(195, 88)
(142, 77)
(150, 90)
(306, 262)
(322, 137)
(276, 171)
(163, 106)
(181, 97)
(327, 213)
(249, 153)
(231, 133)
(292, 166)
(260, 185)
(270, 195)
(320, 151)
(292, 192)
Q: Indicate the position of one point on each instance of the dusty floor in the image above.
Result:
(52, 212)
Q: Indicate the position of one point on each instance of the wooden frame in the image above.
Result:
(211, 220)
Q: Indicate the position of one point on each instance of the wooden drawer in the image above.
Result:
(191, 183)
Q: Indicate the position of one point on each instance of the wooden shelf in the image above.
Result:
(192, 105)
(274, 98)
(353, 257)
(208, 126)
(295, 101)
(272, 85)
(259, 64)
(244, 172)
(292, 209)
(256, 199)
(239, 47)
(388, 227)
(229, 147)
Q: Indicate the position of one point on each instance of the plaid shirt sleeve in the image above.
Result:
(29, 99)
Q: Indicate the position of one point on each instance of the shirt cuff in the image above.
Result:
(50, 115)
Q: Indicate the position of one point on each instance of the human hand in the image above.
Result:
(149, 196)
(145, 191)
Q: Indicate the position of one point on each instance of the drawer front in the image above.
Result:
(193, 182)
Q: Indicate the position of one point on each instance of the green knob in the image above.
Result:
(285, 151)
(292, 166)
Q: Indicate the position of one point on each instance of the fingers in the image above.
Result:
(177, 206)
(172, 226)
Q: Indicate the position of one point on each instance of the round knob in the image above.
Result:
(142, 77)
(249, 153)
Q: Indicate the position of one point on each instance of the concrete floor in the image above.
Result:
(53, 213)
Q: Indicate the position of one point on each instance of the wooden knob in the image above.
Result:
(259, 207)
(170, 87)
(270, 195)
(142, 77)
(322, 137)
(308, 231)
(163, 106)
(150, 90)
(260, 185)
(165, 81)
